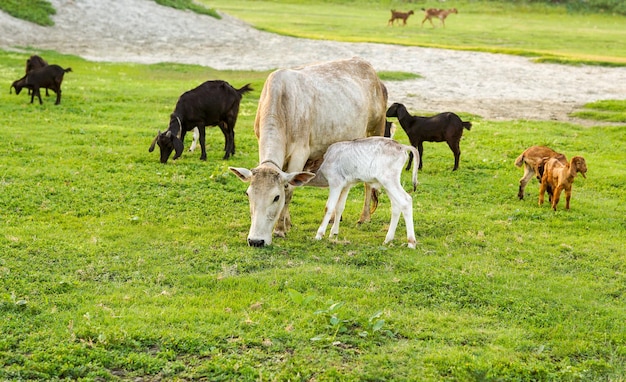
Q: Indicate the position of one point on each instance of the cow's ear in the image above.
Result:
(298, 178)
(243, 173)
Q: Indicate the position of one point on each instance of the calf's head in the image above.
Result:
(266, 194)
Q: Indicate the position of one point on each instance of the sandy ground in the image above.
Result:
(497, 87)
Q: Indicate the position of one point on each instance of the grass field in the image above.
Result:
(548, 33)
(115, 267)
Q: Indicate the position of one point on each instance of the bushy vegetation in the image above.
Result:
(115, 267)
(36, 11)
(191, 5)
(608, 6)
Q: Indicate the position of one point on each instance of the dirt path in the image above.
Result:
(497, 87)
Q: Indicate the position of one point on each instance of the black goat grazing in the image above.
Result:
(213, 103)
(441, 127)
(35, 62)
(49, 77)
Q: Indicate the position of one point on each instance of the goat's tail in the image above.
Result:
(467, 125)
(67, 70)
(416, 155)
(245, 89)
(520, 160)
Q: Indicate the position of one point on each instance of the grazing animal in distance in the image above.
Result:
(213, 103)
(534, 159)
(377, 161)
(441, 14)
(301, 112)
(560, 177)
(442, 127)
(49, 77)
(396, 15)
(35, 62)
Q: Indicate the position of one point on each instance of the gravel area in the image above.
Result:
(494, 86)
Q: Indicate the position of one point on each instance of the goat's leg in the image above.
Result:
(542, 190)
(202, 136)
(456, 150)
(420, 149)
(58, 101)
(333, 197)
(568, 196)
(528, 174)
(556, 196)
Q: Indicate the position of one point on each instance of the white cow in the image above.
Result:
(301, 112)
(377, 161)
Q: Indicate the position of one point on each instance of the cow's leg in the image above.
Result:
(296, 163)
(370, 203)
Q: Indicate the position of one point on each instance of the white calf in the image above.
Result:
(196, 136)
(376, 161)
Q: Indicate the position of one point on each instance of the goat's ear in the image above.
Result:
(178, 146)
(154, 141)
(298, 178)
(242, 173)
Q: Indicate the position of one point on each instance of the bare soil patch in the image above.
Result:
(494, 86)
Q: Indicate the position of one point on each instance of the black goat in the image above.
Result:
(213, 103)
(49, 77)
(441, 127)
(35, 62)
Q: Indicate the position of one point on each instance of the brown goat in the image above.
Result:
(396, 15)
(441, 14)
(560, 177)
(534, 158)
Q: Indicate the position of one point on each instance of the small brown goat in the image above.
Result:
(560, 177)
(534, 159)
(396, 15)
(441, 14)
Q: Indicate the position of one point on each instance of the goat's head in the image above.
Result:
(580, 165)
(18, 85)
(167, 143)
(393, 110)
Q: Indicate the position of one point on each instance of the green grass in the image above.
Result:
(115, 267)
(36, 11)
(548, 33)
(191, 5)
(606, 110)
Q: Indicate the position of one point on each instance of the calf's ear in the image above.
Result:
(243, 173)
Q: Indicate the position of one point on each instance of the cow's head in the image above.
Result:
(266, 194)
(167, 142)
